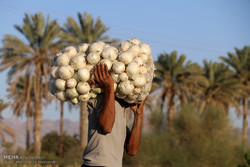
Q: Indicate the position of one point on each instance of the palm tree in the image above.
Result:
(32, 56)
(241, 65)
(3, 127)
(87, 31)
(177, 81)
(21, 104)
(222, 90)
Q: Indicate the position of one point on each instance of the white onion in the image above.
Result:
(139, 80)
(62, 60)
(135, 41)
(124, 46)
(106, 46)
(132, 69)
(115, 86)
(71, 51)
(92, 95)
(108, 62)
(110, 53)
(132, 96)
(120, 95)
(126, 57)
(71, 83)
(143, 70)
(65, 72)
(118, 67)
(76, 76)
(83, 74)
(61, 96)
(84, 97)
(144, 57)
(97, 47)
(78, 61)
(147, 87)
(60, 84)
(74, 101)
(139, 61)
(145, 49)
(137, 90)
(123, 76)
(71, 93)
(83, 87)
(135, 49)
(93, 58)
(54, 72)
(115, 77)
(125, 87)
(96, 89)
(83, 47)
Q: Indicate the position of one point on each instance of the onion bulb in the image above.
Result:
(74, 101)
(84, 97)
(60, 84)
(137, 90)
(110, 53)
(70, 51)
(124, 46)
(71, 93)
(135, 41)
(93, 58)
(132, 69)
(118, 67)
(115, 77)
(139, 80)
(61, 96)
(71, 83)
(144, 57)
(145, 49)
(54, 72)
(96, 89)
(65, 72)
(78, 61)
(62, 60)
(97, 47)
(123, 76)
(125, 87)
(83, 87)
(107, 62)
(143, 70)
(135, 49)
(139, 61)
(83, 74)
(126, 57)
(83, 47)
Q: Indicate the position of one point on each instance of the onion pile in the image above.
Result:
(130, 64)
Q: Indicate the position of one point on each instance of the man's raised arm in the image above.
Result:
(133, 138)
(107, 115)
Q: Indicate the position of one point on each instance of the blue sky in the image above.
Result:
(199, 29)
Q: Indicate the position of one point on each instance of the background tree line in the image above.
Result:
(224, 84)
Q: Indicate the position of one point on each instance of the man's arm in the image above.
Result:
(107, 114)
(133, 138)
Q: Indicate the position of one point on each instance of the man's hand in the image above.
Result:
(138, 108)
(102, 76)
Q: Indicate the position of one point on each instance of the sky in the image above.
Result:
(199, 29)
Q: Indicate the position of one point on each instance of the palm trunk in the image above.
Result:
(83, 125)
(245, 121)
(61, 131)
(171, 107)
(28, 129)
(37, 128)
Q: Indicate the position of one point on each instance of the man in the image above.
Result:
(108, 134)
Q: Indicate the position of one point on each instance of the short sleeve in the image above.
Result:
(95, 105)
